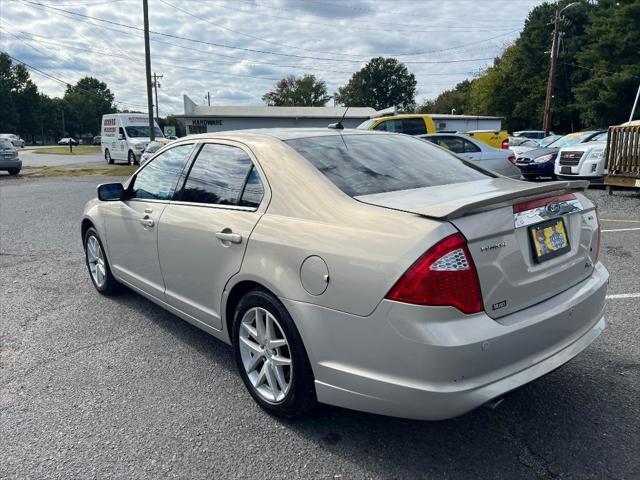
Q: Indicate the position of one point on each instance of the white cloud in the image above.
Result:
(304, 31)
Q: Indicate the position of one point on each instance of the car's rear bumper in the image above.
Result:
(434, 362)
(6, 164)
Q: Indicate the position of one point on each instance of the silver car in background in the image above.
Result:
(496, 159)
(368, 270)
(9, 158)
(14, 139)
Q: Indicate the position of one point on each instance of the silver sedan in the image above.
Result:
(368, 270)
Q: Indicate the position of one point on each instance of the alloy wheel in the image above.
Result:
(266, 356)
(95, 258)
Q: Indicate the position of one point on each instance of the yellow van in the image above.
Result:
(420, 124)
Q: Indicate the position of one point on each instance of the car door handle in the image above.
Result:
(227, 236)
(146, 221)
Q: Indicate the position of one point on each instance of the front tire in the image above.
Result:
(271, 357)
(98, 265)
(132, 158)
(107, 156)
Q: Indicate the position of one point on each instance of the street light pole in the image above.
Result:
(147, 61)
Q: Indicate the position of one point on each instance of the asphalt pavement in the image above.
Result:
(96, 387)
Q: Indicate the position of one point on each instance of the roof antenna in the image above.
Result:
(339, 126)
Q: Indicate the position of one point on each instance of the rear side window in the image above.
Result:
(368, 164)
(218, 177)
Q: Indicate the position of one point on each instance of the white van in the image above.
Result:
(125, 136)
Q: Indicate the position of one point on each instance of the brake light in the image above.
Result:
(444, 276)
(512, 159)
(598, 237)
(505, 144)
(541, 202)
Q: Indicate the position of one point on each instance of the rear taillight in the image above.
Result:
(505, 144)
(512, 159)
(598, 236)
(444, 276)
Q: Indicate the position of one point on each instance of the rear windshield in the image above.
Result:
(368, 164)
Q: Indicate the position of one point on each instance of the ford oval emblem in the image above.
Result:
(553, 207)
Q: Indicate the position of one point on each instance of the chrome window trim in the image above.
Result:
(213, 205)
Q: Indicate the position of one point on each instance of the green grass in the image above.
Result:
(64, 150)
(116, 170)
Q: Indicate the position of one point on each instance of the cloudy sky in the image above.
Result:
(237, 49)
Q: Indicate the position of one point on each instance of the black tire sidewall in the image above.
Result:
(301, 396)
(107, 156)
(131, 158)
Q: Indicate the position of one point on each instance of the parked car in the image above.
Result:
(520, 145)
(422, 123)
(9, 158)
(368, 270)
(541, 161)
(14, 139)
(96, 140)
(151, 149)
(67, 141)
(584, 161)
(546, 141)
(533, 134)
(496, 159)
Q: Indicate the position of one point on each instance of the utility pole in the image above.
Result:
(548, 104)
(63, 129)
(546, 124)
(156, 85)
(208, 98)
(147, 61)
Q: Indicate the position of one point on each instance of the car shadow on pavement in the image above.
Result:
(575, 422)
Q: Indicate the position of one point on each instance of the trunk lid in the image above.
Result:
(496, 216)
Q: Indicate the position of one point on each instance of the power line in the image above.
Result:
(64, 82)
(178, 37)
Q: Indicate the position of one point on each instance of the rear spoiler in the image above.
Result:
(452, 201)
(511, 198)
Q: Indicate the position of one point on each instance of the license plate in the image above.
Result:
(549, 239)
(565, 169)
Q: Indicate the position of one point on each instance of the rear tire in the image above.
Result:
(107, 156)
(260, 360)
(13, 171)
(98, 265)
(529, 177)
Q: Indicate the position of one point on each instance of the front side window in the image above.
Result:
(368, 164)
(218, 177)
(158, 179)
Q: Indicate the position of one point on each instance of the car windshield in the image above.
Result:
(601, 137)
(570, 139)
(5, 144)
(521, 142)
(368, 164)
(142, 132)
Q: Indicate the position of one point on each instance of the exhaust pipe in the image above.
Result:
(493, 404)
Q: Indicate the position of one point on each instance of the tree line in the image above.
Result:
(597, 77)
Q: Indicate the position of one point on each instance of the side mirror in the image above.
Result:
(120, 136)
(110, 192)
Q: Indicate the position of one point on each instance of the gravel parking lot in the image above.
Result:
(95, 387)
